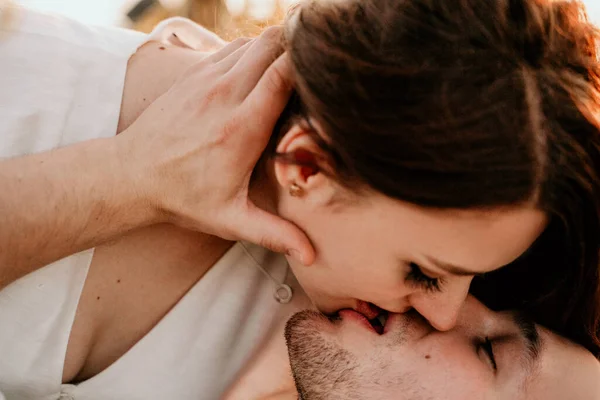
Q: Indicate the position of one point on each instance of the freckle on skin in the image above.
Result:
(118, 281)
(98, 298)
(427, 357)
(161, 47)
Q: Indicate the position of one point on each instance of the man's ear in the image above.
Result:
(300, 164)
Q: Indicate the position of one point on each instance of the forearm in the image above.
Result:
(60, 202)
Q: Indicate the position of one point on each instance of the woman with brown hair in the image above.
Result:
(467, 112)
(430, 143)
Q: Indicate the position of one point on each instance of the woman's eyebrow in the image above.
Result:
(453, 269)
(530, 335)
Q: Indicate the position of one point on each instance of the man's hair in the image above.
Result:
(468, 104)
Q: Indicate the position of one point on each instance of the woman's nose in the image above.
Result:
(442, 310)
(399, 308)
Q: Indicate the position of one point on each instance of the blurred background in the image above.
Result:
(229, 18)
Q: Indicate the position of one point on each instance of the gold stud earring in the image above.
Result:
(296, 190)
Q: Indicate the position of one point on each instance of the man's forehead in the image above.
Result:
(553, 368)
(566, 371)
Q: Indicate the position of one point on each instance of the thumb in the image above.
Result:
(274, 233)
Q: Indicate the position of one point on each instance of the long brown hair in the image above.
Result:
(461, 104)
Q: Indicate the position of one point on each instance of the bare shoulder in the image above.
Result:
(151, 71)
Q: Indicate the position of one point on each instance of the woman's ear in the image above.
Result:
(300, 163)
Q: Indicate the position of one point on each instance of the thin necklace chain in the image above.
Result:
(283, 293)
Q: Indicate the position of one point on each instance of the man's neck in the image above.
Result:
(268, 375)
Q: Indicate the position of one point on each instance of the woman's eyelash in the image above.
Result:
(416, 276)
(488, 347)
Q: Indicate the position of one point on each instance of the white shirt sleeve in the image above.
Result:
(61, 81)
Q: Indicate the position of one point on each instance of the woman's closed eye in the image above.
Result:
(418, 278)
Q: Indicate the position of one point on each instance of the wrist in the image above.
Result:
(129, 194)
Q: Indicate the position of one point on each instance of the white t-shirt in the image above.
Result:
(60, 83)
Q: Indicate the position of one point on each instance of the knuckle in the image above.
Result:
(223, 87)
(271, 244)
(196, 75)
(240, 41)
(210, 97)
(230, 129)
(221, 90)
(272, 33)
(275, 80)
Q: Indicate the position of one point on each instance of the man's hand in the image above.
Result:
(189, 156)
(192, 152)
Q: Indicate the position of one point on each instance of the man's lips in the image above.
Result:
(411, 320)
(393, 321)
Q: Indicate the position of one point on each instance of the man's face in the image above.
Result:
(487, 356)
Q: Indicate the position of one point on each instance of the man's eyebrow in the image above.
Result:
(531, 336)
(453, 269)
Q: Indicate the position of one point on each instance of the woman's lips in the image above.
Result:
(369, 310)
(352, 315)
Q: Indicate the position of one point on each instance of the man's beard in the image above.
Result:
(321, 370)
